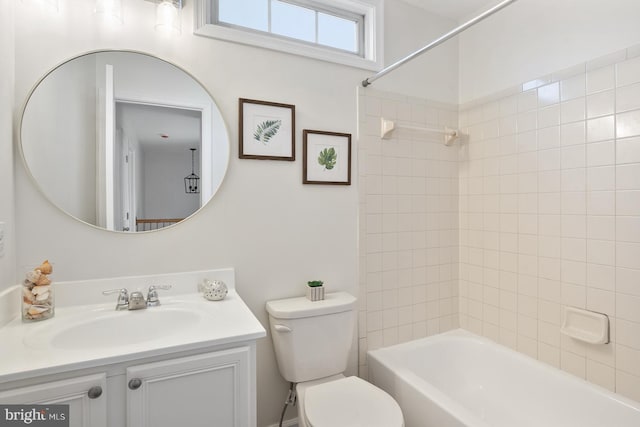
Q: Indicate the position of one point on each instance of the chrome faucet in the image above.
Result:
(136, 300)
(123, 298)
(152, 295)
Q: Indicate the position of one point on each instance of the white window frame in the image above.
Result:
(372, 45)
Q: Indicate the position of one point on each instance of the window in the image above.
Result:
(343, 31)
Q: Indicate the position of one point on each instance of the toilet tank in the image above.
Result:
(312, 339)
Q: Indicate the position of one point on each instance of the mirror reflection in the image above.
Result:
(124, 141)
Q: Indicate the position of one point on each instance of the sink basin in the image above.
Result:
(108, 329)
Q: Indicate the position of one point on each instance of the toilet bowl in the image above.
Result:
(346, 402)
(312, 341)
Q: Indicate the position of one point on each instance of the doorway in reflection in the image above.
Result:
(152, 155)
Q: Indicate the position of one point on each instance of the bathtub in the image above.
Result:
(460, 379)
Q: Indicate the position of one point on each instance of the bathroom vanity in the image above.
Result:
(188, 361)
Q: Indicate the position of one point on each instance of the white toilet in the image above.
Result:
(312, 341)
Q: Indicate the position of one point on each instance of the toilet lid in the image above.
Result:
(350, 402)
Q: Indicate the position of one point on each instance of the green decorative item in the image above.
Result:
(315, 290)
(266, 130)
(328, 158)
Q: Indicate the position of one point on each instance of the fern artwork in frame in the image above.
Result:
(326, 157)
(267, 130)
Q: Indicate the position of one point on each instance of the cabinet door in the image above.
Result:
(86, 409)
(211, 389)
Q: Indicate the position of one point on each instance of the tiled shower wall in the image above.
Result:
(550, 217)
(408, 222)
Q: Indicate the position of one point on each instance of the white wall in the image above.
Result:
(66, 176)
(432, 75)
(263, 221)
(534, 38)
(164, 170)
(7, 263)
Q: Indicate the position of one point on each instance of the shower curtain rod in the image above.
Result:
(366, 82)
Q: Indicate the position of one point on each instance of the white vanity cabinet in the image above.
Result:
(203, 388)
(187, 362)
(211, 389)
(85, 395)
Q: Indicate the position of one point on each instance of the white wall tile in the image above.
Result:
(549, 181)
(601, 203)
(573, 157)
(549, 116)
(574, 273)
(628, 228)
(628, 124)
(574, 203)
(601, 104)
(628, 177)
(628, 281)
(628, 98)
(601, 178)
(628, 334)
(601, 227)
(575, 133)
(601, 374)
(601, 79)
(628, 385)
(549, 94)
(628, 72)
(601, 277)
(527, 100)
(628, 150)
(601, 252)
(573, 111)
(627, 202)
(574, 226)
(600, 129)
(550, 216)
(573, 87)
(574, 249)
(628, 255)
(628, 359)
(602, 153)
(549, 137)
(573, 364)
(574, 179)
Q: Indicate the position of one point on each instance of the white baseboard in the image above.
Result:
(287, 423)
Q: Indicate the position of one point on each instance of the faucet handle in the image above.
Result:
(152, 295)
(123, 297)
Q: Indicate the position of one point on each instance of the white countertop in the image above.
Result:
(26, 351)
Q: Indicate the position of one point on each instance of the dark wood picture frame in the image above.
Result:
(323, 153)
(276, 122)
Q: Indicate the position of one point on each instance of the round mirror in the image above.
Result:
(124, 141)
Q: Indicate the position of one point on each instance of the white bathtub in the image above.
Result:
(460, 379)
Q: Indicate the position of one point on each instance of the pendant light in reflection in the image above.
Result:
(192, 181)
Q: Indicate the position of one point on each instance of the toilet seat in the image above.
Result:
(350, 402)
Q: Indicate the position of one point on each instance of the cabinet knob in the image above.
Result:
(135, 383)
(95, 392)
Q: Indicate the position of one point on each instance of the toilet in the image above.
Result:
(312, 342)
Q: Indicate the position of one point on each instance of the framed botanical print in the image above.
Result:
(267, 130)
(326, 157)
